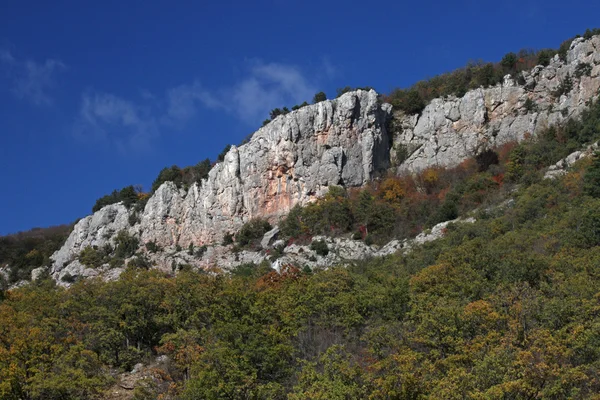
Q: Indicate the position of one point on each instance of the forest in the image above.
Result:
(505, 308)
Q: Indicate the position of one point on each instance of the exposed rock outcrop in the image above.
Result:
(298, 156)
(452, 129)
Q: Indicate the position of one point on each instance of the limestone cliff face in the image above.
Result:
(452, 129)
(295, 158)
(292, 160)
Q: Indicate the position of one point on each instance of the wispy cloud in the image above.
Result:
(184, 100)
(264, 87)
(269, 86)
(30, 80)
(106, 117)
(132, 125)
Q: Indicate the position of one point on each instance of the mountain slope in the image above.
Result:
(348, 142)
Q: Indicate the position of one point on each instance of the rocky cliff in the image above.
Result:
(295, 158)
(452, 129)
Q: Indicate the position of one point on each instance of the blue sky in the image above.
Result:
(95, 96)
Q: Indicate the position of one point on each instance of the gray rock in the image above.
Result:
(37, 272)
(269, 237)
(297, 157)
(450, 130)
(561, 167)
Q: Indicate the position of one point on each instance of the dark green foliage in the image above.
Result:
(583, 69)
(591, 179)
(139, 262)
(320, 247)
(591, 32)
(402, 153)
(485, 159)
(172, 174)
(319, 97)
(509, 62)
(297, 107)
(128, 195)
(544, 57)
(409, 101)
(277, 112)
(187, 176)
(265, 122)
(69, 278)
(24, 251)
(126, 245)
(565, 86)
(252, 231)
(93, 257)
(152, 247)
(227, 239)
(530, 105)
(200, 251)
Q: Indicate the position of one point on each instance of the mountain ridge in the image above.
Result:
(348, 142)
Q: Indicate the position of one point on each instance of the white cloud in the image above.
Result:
(269, 86)
(121, 122)
(265, 86)
(30, 80)
(183, 102)
(132, 125)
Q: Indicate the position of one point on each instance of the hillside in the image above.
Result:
(505, 307)
(347, 142)
(351, 249)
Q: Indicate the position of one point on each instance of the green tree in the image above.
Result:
(319, 97)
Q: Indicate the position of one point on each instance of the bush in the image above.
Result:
(529, 105)
(126, 245)
(320, 247)
(93, 257)
(152, 247)
(128, 195)
(319, 97)
(227, 239)
(200, 251)
(565, 86)
(252, 231)
(583, 69)
(591, 179)
(485, 159)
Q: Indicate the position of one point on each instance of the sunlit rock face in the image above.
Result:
(295, 158)
(452, 129)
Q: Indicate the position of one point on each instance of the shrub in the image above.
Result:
(583, 69)
(320, 247)
(485, 159)
(200, 251)
(544, 57)
(319, 97)
(591, 179)
(529, 105)
(402, 153)
(565, 86)
(69, 278)
(227, 239)
(152, 247)
(128, 195)
(252, 231)
(93, 257)
(139, 262)
(126, 245)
